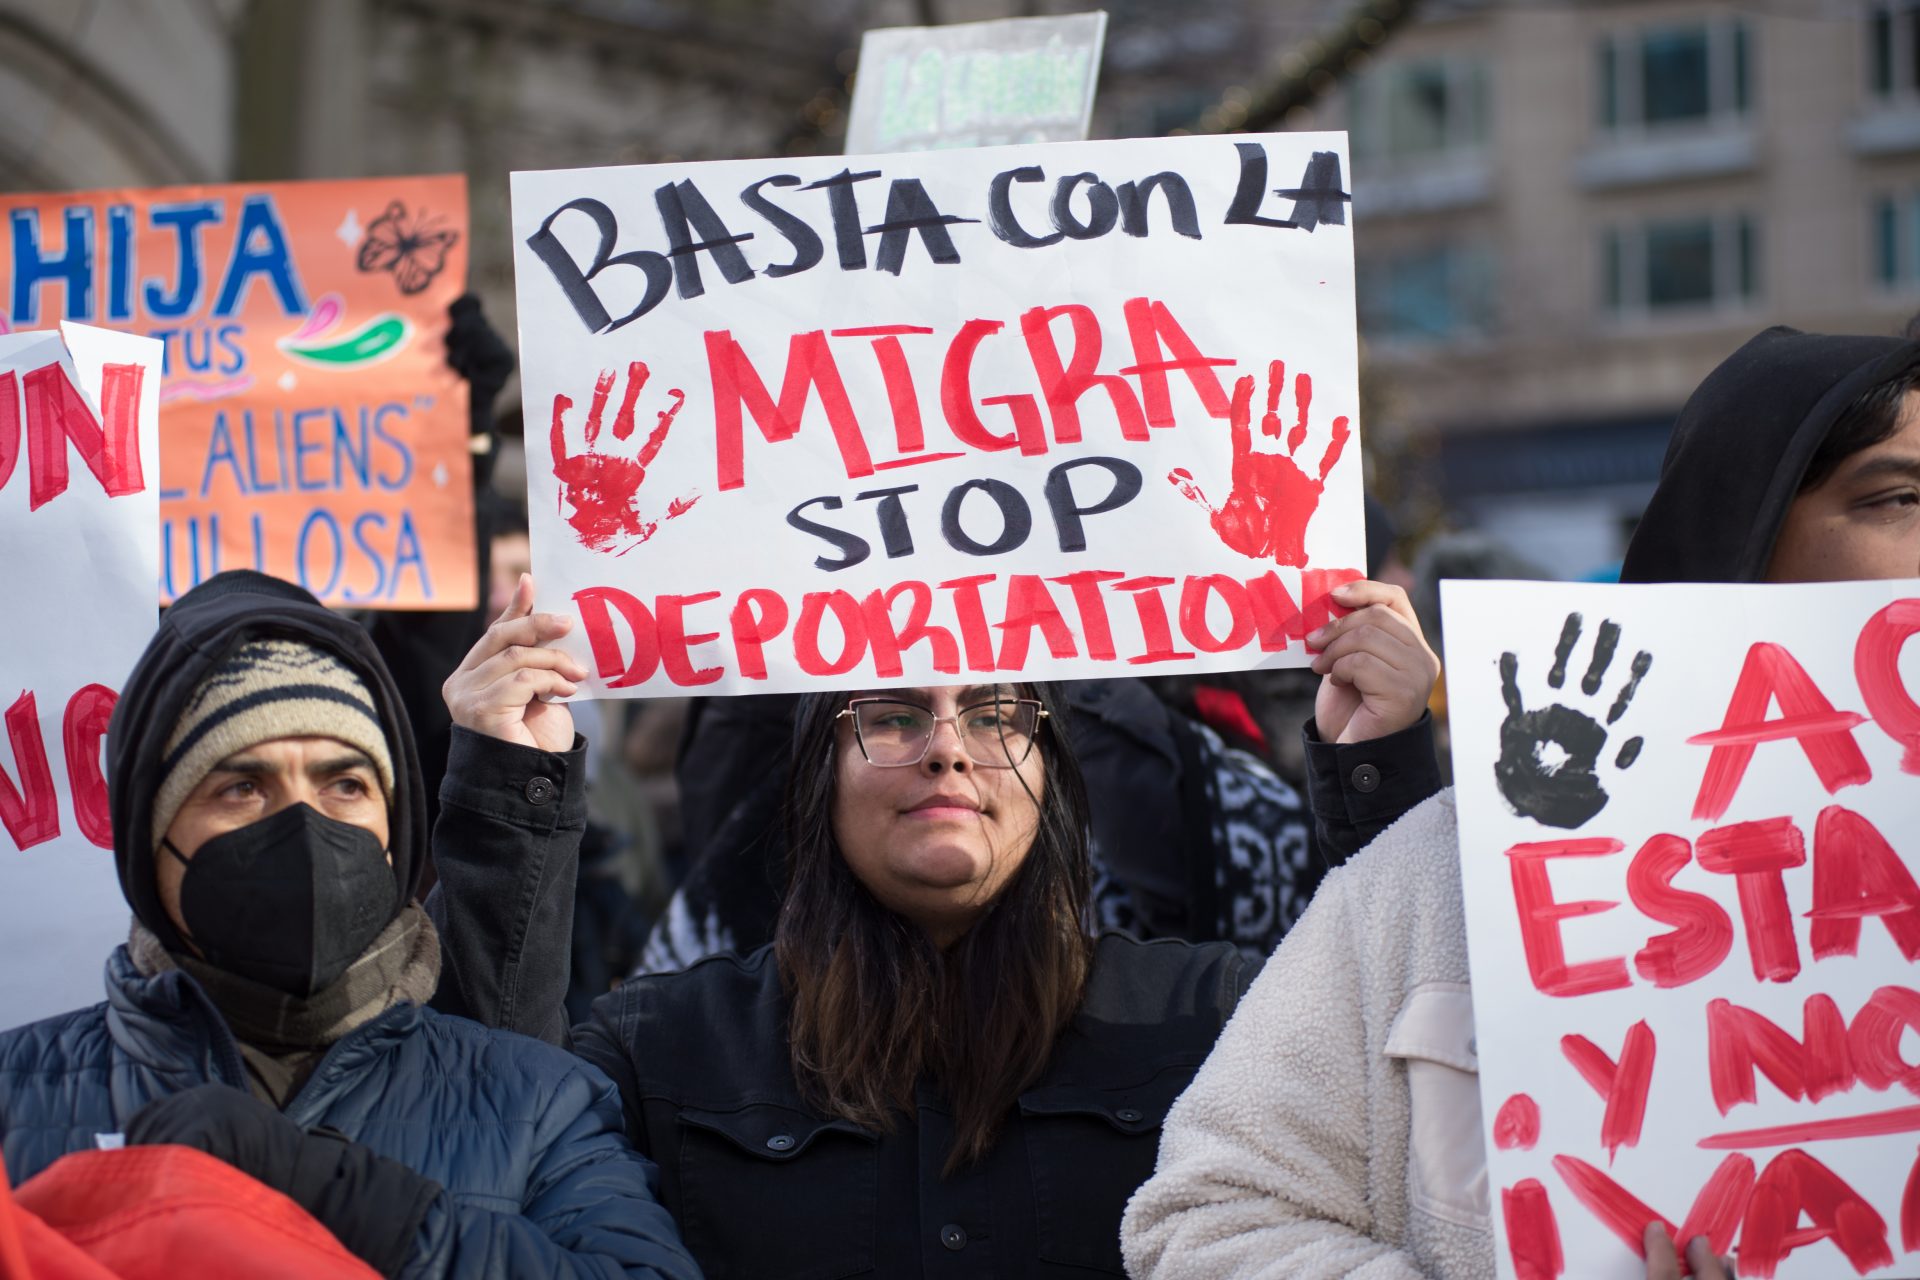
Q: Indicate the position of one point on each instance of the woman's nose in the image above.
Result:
(947, 750)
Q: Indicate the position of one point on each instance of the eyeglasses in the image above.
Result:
(997, 735)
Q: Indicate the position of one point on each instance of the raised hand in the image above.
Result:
(1378, 669)
(1548, 756)
(499, 689)
(1266, 513)
(604, 488)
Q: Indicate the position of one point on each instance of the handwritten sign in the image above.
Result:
(79, 518)
(1690, 839)
(312, 427)
(1077, 410)
(976, 84)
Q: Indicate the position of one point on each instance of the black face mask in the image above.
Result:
(289, 901)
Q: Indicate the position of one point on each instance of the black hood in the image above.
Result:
(197, 633)
(1741, 446)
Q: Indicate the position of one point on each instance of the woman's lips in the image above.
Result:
(944, 809)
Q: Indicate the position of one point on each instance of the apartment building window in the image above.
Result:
(1893, 49)
(1669, 77)
(1412, 111)
(1894, 234)
(1680, 264)
(1435, 294)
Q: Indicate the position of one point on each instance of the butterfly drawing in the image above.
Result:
(415, 251)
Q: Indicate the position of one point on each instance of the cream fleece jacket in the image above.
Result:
(1335, 1128)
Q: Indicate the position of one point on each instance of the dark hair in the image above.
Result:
(1872, 417)
(875, 1005)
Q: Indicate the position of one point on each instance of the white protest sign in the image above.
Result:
(80, 521)
(1689, 839)
(1086, 409)
(976, 84)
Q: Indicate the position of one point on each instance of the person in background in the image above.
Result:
(1336, 1129)
(268, 1007)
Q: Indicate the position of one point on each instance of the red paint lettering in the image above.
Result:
(1623, 1087)
(109, 445)
(1063, 385)
(737, 383)
(1875, 1039)
(83, 728)
(1029, 606)
(1856, 873)
(1540, 918)
(1516, 1126)
(1704, 934)
(1793, 1184)
(1715, 1214)
(1533, 1237)
(9, 425)
(1094, 628)
(608, 659)
(30, 811)
(902, 399)
(1910, 1212)
(1317, 606)
(814, 606)
(888, 640)
(1155, 630)
(956, 398)
(759, 615)
(1193, 613)
(971, 613)
(1276, 618)
(1147, 324)
(675, 643)
(1772, 674)
(1754, 854)
(1876, 665)
(1741, 1042)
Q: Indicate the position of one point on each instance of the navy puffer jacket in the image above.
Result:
(526, 1140)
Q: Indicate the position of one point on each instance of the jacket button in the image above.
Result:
(1366, 778)
(541, 791)
(780, 1142)
(953, 1236)
(1127, 1115)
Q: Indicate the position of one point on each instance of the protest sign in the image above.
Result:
(976, 84)
(312, 428)
(79, 518)
(1075, 410)
(1689, 850)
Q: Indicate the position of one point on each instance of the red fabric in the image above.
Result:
(159, 1213)
(1226, 711)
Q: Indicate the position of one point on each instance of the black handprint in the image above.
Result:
(1563, 792)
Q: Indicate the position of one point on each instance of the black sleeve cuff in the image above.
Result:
(524, 786)
(1359, 789)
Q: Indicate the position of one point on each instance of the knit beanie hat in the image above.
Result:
(267, 689)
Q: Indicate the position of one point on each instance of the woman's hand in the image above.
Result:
(1664, 1264)
(498, 689)
(1377, 668)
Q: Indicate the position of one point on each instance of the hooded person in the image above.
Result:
(269, 1006)
(1336, 1127)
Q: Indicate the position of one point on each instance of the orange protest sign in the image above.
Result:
(310, 427)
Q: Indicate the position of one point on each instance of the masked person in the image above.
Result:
(1336, 1128)
(269, 1005)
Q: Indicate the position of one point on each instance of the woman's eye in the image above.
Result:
(896, 720)
(1893, 500)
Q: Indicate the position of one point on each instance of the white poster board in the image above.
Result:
(976, 84)
(80, 519)
(1077, 410)
(1690, 868)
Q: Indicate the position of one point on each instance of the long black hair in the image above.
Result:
(876, 1006)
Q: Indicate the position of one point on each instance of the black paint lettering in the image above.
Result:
(911, 209)
(681, 203)
(1135, 197)
(805, 241)
(1001, 217)
(1103, 209)
(1016, 519)
(577, 285)
(1252, 189)
(1067, 513)
(894, 534)
(1321, 196)
(854, 548)
(846, 215)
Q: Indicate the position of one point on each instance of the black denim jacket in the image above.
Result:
(764, 1186)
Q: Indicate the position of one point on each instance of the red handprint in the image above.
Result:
(1272, 500)
(604, 488)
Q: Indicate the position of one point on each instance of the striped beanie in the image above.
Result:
(267, 689)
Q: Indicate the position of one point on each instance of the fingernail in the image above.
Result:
(1315, 636)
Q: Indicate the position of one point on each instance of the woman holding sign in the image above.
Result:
(934, 1068)
(1337, 1128)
